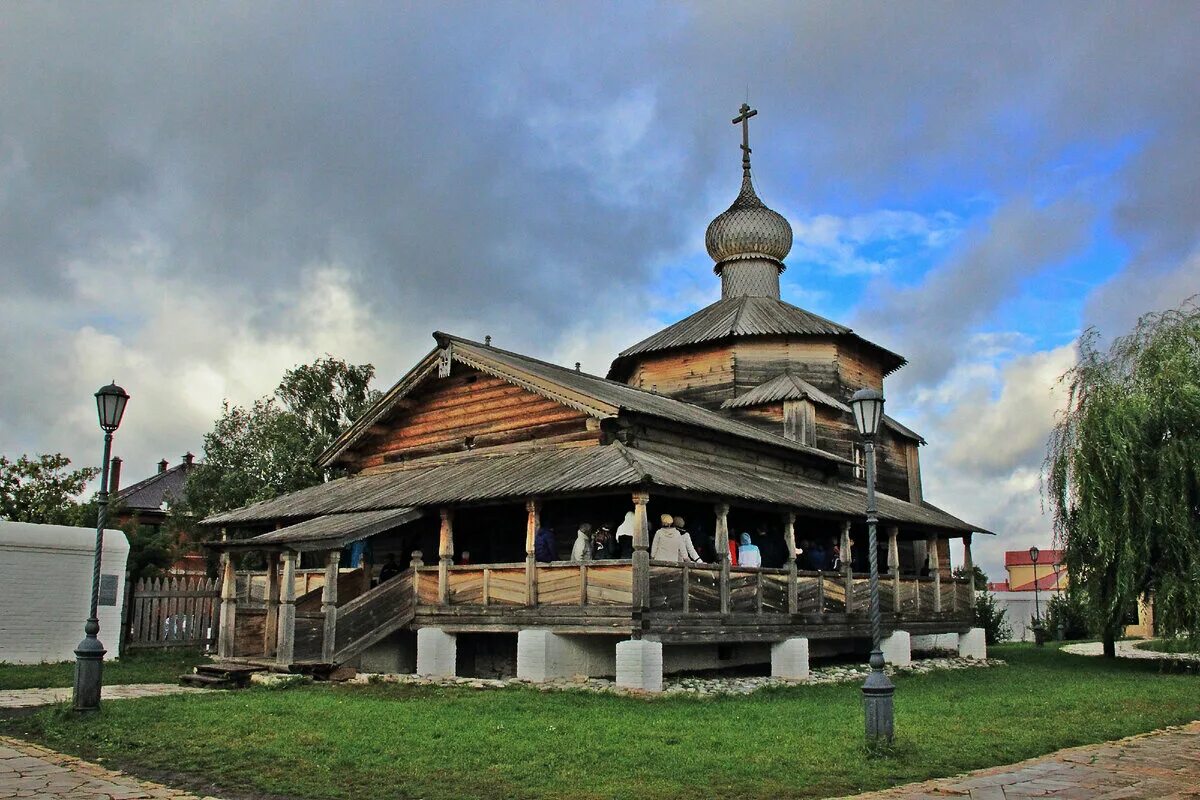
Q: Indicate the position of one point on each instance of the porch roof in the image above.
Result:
(327, 532)
(477, 478)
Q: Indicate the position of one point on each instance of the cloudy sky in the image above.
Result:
(194, 198)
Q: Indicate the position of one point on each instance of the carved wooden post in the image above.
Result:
(847, 567)
(415, 565)
(228, 632)
(271, 622)
(533, 520)
(969, 564)
(445, 555)
(894, 565)
(721, 542)
(935, 570)
(329, 598)
(789, 541)
(368, 567)
(687, 584)
(641, 551)
(286, 647)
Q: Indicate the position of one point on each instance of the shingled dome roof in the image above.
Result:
(748, 229)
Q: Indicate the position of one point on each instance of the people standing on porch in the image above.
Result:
(582, 549)
(668, 544)
(688, 545)
(818, 559)
(390, 568)
(771, 547)
(603, 544)
(625, 536)
(748, 554)
(545, 549)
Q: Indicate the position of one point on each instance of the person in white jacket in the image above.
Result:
(625, 536)
(668, 544)
(582, 550)
(688, 545)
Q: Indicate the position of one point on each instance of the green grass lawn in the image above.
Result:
(145, 666)
(393, 741)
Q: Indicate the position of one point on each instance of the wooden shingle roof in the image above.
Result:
(483, 477)
(745, 316)
(784, 387)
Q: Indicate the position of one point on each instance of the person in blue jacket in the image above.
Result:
(545, 549)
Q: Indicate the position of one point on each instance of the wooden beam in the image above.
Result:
(789, 541)
(228, 631)
(641, 551)
(286, 644)
(721, 542)
(533, 520)
(329, 596)
(969, 564)
(894, 564)
(847, 566)
(445, 555)
(271, 624)
(936, 570)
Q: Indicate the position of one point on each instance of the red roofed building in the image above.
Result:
(1050, 572)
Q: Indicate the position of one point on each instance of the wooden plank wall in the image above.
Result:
(702, 375)
(173, 612)
(440, 415)
(757, 361)
(837, 434)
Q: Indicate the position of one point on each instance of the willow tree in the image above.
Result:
(1123, 474)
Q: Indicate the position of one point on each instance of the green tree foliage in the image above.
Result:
(981, 578)
(992, 618)
(1123, 475)
(1066, 611)
(42, 489)
(270, 448)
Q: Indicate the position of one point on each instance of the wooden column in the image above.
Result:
(445, 555)
(228, 632)
(329, 598)
(641, 551)
(847, 567)
(721, 541)
(271, 623)
(368, 566)
(894, 565)
(789, 541)
(415, 564)
(969, 564)
(286, 644)
(936, 572)
(533, 520)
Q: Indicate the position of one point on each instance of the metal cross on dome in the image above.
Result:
(744, 119)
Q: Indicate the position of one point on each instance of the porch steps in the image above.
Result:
(221, 675)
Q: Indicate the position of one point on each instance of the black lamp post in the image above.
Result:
(878, 690)
(89, 655)
(1037, 609)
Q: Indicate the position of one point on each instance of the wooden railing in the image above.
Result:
(560, 583)
(698, 588)
(172, 612)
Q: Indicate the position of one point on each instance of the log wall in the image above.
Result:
(469, 410)
(701, 375)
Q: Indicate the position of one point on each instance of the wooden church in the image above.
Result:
(480, 463)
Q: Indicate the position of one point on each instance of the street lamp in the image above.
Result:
(867, 405)
(89, 655)
(1037, 611)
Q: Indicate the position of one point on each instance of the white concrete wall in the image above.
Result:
(46, 587)
(1020, 608)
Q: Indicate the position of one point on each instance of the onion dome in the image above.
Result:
(748, 230)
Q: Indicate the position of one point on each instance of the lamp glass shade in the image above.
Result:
(1033, 554)
(867, 405)
(110, 406)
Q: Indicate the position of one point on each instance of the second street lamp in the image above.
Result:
(878, 690)
(89, 655)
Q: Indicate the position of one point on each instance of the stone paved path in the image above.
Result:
(29, 771)
(1164, 765)
(1127, 650)
(28, 698)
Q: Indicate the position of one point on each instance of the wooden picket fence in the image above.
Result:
(173, 612)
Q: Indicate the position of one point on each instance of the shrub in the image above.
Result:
(1068, 612)
(992, 618)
